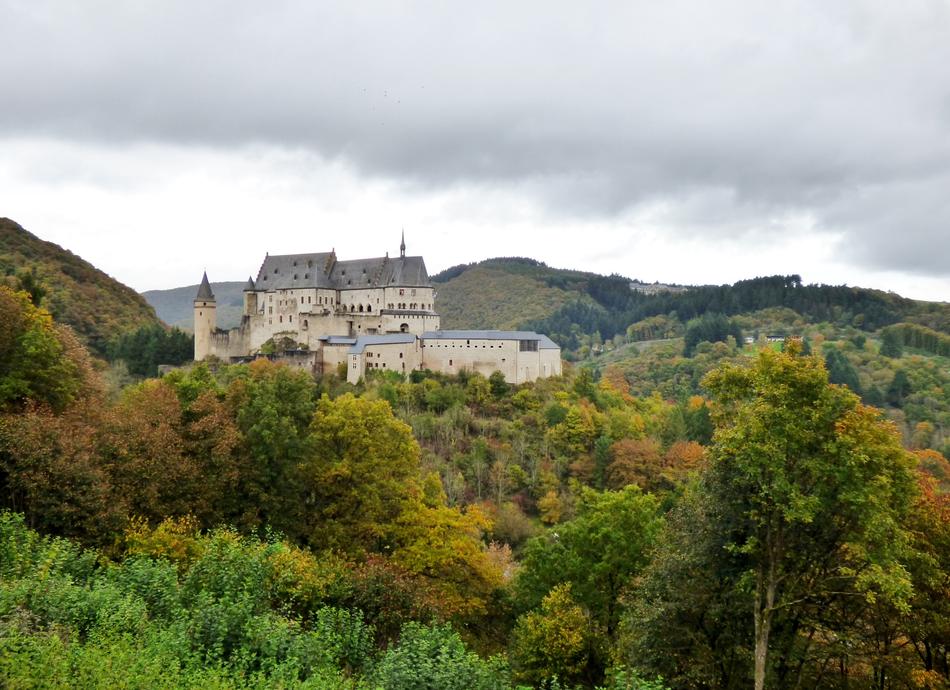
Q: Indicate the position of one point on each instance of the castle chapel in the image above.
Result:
(370, 314)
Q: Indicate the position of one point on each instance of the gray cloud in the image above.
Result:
(734, 114)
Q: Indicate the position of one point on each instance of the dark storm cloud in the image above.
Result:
(733, 114)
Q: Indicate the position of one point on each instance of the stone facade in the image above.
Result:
(370, 314)
(521, 356)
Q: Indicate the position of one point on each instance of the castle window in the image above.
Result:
(295, 276)
(291, 318)
(306, 276)
(400, 355)
(369, 307)
(281, 319)
(450, 362)
(361, 309)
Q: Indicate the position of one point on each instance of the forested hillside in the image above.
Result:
(591, 309)
(78, 294)
(249, 526)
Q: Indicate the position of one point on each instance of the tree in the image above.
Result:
(635, 461)
(273, 406)
(710, 327)
(598, 552)
(840, 370)
(815, 488)
(553, 642)
(40, 361)
(892, 345)
(362, 469)
(898, 389)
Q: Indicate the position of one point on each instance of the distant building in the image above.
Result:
(655, 288)
(317, 312)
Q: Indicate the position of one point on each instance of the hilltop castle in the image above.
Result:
(370, 314)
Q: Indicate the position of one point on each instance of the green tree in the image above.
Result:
(273, 406)
(363, 467)
(892, 345)
(815, 488)
(435, 657)
(39, 361)
(898, 389)
(554, 642)
(598, 552)
(840, 370)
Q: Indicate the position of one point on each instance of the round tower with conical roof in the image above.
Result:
(250, 298)
(205, 318)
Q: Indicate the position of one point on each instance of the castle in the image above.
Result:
(367, 314)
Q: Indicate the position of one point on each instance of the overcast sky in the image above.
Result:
(691, 142)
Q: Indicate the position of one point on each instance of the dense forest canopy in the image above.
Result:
(75, 292)
(574, 307)
(723, 518)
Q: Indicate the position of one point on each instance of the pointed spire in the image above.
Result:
(249, 285)
(402, 245)
(204, 290)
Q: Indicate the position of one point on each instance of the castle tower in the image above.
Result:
(250, 298)
(205, 319)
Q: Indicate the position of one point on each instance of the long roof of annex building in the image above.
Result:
(323, 270)
(544, 342)
(383, 339)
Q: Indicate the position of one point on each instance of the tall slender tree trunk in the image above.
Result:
(765, 588)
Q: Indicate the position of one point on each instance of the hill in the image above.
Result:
(174, 306)
(98, 307)
(579, 310)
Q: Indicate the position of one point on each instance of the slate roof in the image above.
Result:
(249, 285)
(337, 340)
(388, 339)
(544, 342)
(204, 290)
(299, 271)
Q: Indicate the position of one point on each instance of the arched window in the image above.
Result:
(369, 307)
(361, 309)
(404, 328)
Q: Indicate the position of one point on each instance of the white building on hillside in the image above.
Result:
(370, 314)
